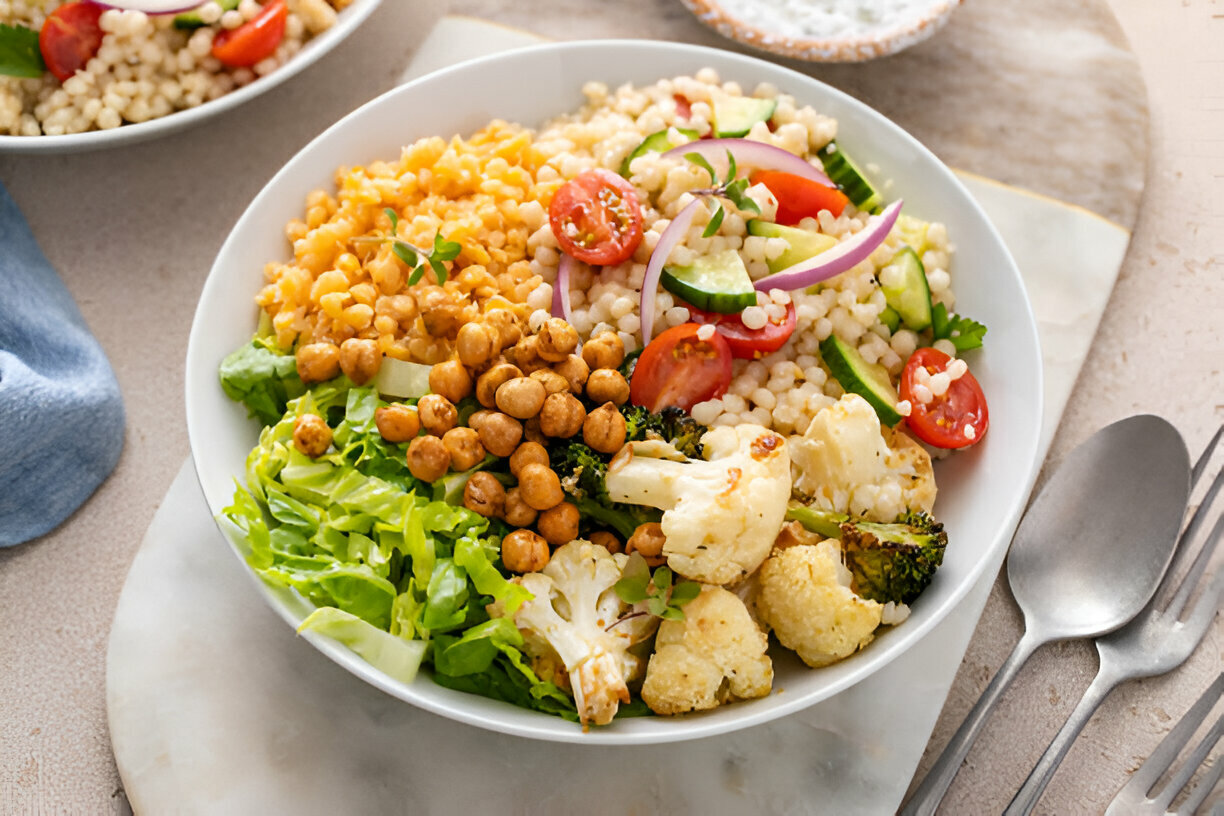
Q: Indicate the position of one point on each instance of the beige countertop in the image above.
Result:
(135, 263)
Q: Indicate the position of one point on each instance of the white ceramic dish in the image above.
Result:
(346, 23)
(767, 26)
(982, 492)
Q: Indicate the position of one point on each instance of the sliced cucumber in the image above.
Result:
(735, 115)
(803, 244)
(890, 318)
(714, 283)
(657, 142)
(904, 284)
(845, 174)
(857, 376)
(402, 379)
(192, 19)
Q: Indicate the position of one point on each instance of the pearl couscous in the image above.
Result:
(145, 66)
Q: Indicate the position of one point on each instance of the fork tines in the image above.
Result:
(1137, 796)
(1187, 581)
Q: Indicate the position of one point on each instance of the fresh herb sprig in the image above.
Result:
(964, 332)
(663, 598)
(730, 188)
(415, 258)
(19, 52)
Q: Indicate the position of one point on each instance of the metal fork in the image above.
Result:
(1133, 798)
(1159, 639)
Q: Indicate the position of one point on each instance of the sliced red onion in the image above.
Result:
(151, 6)
(749, 153)
(676, 232)
(834, 261)
(561, 288)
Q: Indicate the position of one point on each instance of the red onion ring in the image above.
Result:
(750, 153)
(561, 288)
(845, 255)
(150, 6)
(674, 234)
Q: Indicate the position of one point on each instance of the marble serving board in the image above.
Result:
(215, 705)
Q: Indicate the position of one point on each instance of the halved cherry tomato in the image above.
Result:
(70, 37)
(684, 108)
(679, 368)
(746, 343)
(942, 421)
(255, 40)
(800, 198)
(597, 218)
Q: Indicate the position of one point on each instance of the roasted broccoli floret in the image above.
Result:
(889, 562)
(583, 475)
(672, 424)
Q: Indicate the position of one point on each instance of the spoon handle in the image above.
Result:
(1026, 798)
(931, 792)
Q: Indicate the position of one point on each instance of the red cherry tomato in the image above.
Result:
(684, 108)
(597, 218)
(679, 368)
(255, 40)
(746, 343)
(942, 421)
(70, 37)
(800, 198)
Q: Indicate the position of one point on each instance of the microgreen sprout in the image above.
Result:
(662, 598)
(730, 188)
(414, 257)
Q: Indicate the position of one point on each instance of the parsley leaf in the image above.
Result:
(965, 333)
(19, 53)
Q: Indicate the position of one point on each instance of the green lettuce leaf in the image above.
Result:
(393, 656)
(262, 379)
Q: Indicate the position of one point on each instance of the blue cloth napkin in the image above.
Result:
(61, 415)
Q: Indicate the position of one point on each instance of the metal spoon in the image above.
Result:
(1086, 558)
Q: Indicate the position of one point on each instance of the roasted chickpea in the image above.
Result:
(562, 416)
(311, 435)
(559, 525)
(317, 362)
(464, 447)
(528, 453)
(485, 495)
(606, 350)
(506, 325)
(360, 359)
(500, 434)
(524, 551)
(604, 429)
(517, 512)
(488, 382)
(521, 398)
(557, 340)
(532, 432)
(526, 354)
(440, 311)
(607, 385)
(451, 380)
(540, 486)
(575, 371)
(476, 344)
(397, 423)
(478, 417)
(428, 458)
(648, 539)
(606, 540)
(438, 414)
(553, 382)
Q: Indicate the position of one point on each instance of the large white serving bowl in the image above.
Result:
(347, 22)
(981, 491)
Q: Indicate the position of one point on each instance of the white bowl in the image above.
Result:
(346, 23)
(981, 493)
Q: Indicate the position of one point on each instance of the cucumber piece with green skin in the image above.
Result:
(734, 116)
(192, 19)
(843, 172)
(904, 284)
(857, 376)
(803, 244)
(713, 283)
(890, 318)
(657, 142)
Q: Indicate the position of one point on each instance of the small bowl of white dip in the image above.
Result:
(825, 30)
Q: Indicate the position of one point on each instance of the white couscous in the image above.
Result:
(591, 409)
(79, 66)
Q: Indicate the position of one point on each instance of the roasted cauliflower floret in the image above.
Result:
(804, 595)
(848, 463)
(568, 620)
(720, 514)
(715, 655)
